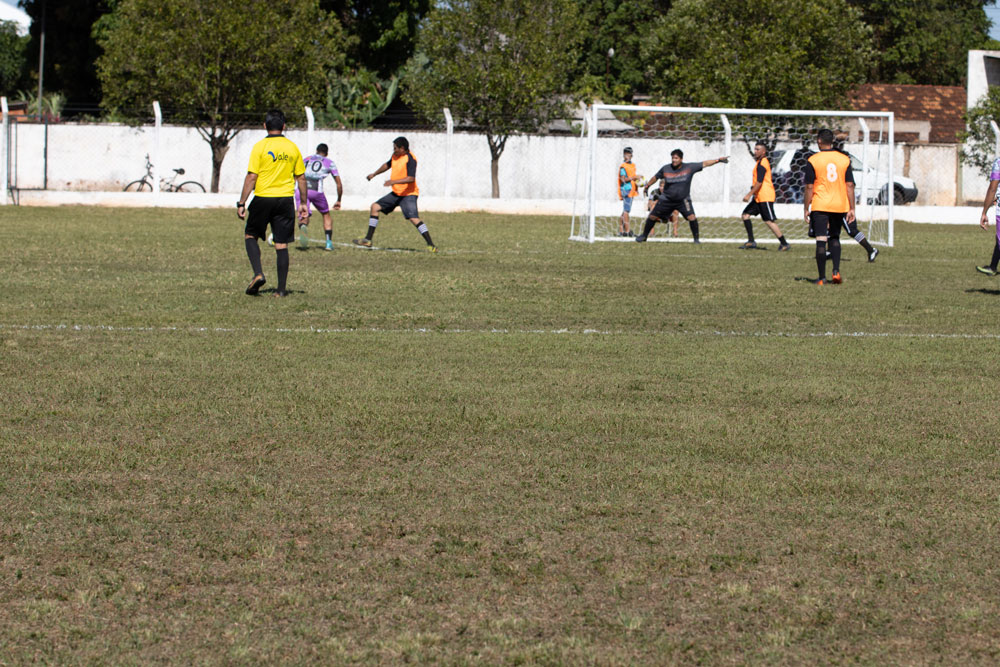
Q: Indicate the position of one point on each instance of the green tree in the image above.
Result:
(760, 54)
(12, 57)
(924, 42)
(215, 63)
(978, 141)
(70, 47)
(621, 25)
(385, 32)
(499, 65)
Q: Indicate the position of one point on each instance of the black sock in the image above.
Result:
(749, 225)
(253, 252)
(648, 226)
(694, 228)
(835, 254)
(422, 228)
(996, 256)
(865, 244)
(821, 259)
(282, 268)
(372, 223)
(782, 241)
(329, 234)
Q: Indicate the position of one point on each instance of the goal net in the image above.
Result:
(717, 191)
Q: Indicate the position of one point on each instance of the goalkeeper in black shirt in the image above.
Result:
(676, 192)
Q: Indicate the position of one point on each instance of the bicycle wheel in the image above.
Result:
(138, 186)
(190, 186)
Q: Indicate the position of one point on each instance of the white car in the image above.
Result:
(788, 181)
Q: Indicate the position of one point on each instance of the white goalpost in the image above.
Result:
(717, 192)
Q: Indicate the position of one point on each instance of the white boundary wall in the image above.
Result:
(537, 173)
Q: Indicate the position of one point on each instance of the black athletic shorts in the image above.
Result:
(406, 203)
(279, 212)
(826, 224)
(665, 207)
(765, 209)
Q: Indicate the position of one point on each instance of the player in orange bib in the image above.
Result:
(761, 198)
(829, 201)
(402, 166)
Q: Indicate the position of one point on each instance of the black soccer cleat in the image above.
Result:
(255, 285)
(641, 238)
(873, 254)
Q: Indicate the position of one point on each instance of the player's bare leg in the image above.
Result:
(623, 225)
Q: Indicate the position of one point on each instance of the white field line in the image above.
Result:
(705, 333)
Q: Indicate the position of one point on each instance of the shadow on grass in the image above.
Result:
(983, 290)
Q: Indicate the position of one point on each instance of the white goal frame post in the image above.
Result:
(717, 192)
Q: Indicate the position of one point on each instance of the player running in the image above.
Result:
(318, 167)
(761, 198)
(676, 192)
(403, 180)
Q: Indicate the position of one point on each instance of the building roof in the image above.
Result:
(939, 106)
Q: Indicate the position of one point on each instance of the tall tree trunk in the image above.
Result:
(495, 174)
(497, 144)
(220, 146)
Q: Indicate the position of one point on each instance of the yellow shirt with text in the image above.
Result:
(277, 162)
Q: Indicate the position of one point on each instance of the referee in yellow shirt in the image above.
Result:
(275, 168)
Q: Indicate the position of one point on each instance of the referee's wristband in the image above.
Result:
(240, 204)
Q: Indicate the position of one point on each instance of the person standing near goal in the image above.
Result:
(676, 194)
(992, 199)
(828, 201)
(403, 181)
(761, 198)
(628, 187)
(318, 167)
(275, 169)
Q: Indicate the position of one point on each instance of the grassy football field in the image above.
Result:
(521, 449)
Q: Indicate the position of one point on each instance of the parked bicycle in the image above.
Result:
(145, 184)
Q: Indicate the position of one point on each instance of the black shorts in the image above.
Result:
(665, 207)
(826, 224)
(765, 209)
(407, 204)
(279, 212)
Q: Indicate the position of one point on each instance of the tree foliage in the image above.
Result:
(385, 32)
(621, 25)
(924, 42)
(498, 65)
(780, 54)
(978, 141)
(12, 57)
(214, 63)
(70, 49)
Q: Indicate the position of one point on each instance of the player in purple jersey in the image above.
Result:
(318, 167)
(992, 199)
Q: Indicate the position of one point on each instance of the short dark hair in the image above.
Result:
(628, 149)
(678, 152)
(401, 142)
(825, 136)
(760, 143)
(322, 148)
(274, 120)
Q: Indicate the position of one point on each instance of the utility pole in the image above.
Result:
(41, 61)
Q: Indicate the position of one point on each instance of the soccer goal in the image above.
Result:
(717, 192)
